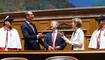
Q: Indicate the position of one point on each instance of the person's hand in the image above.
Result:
(61, 34)
(41, 35)
(57, 47)
(50, 48)
(37, 41)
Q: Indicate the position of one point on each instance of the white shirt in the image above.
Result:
(77, 38)
(13, 39)
(93, 40)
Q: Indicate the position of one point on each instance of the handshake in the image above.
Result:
(41, 35)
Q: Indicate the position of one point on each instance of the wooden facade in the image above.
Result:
(63, 16)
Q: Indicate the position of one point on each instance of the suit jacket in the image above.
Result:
(59, 41)
(30, 37)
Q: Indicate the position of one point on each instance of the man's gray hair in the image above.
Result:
(28, 12)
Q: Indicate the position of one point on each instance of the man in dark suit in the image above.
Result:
(29, 31)
(53, 40)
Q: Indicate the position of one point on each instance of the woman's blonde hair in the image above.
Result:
(78, 22)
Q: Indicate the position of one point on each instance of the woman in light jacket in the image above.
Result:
(77, 38)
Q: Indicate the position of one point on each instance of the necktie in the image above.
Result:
(53, 39)
(6, 42)
(98, 40)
